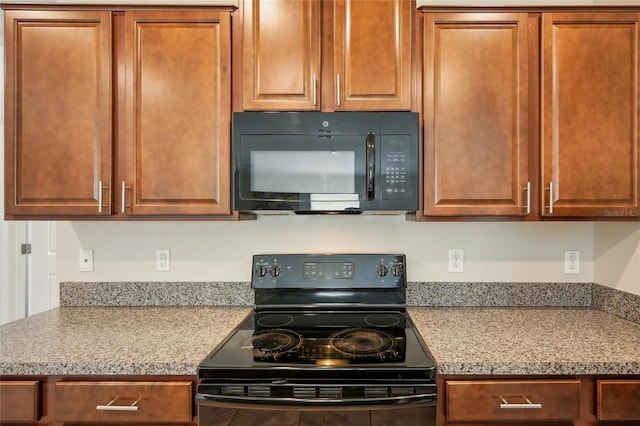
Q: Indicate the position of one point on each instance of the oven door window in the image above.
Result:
(303, 172)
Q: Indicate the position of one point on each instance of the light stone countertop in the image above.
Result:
(527, 341)
(115, 340)
(463, 340)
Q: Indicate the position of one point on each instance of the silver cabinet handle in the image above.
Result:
(338, 89)
(528, 405)
(550, 189)
(112, 407)
(101, 188)
(123, 197)
(315, 89)
(528, 189)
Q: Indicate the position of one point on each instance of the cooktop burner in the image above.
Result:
(270, 344)
(362, 342)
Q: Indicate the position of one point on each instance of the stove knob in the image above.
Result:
(262, 270)
(275, 271)
(396, 270)
(382, 270)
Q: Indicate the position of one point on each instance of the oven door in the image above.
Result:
(316, 404)
(304, 173)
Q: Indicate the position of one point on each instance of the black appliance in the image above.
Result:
(330, 334)
(316, 162)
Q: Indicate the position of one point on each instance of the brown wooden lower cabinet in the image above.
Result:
(619, 400)
(539, 400)
(124, 401)
(19, 401)
(99, 400)
(494, 400)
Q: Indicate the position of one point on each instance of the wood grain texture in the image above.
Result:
(590, 114)
(281, 55)
(372, 54)
(19, 401)
(177, 153)
(618, 400)
(58, 112)
(77, 401)
(476, 114)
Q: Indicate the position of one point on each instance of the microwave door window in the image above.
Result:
(325, 178)
(308, 172)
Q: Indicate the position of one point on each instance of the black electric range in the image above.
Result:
(328, 330)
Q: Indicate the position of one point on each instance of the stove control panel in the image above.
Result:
(329, 271)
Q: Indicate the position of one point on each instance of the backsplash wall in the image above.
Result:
(221, 251)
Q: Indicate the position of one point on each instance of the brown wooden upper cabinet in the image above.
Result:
(476, 95)
(165, 150)
(177, 113)
(57, 112)
(335, 55)
(590, 130)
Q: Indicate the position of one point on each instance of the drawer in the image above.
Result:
(618, 399)
(512, 400)
(19, 401)
(124, 402)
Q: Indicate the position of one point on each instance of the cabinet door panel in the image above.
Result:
(19, 401)
(476, 114)
(122, 402)
(372, 54)
(281, 68)
(590, 114)
(178, 113)
(618, 400)
(513, 400)
(58, 112)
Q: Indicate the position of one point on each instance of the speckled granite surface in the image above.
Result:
(620, 303)
(475, 337)
(156, 294)
(115, 340)
(481, 340)
(498, 294)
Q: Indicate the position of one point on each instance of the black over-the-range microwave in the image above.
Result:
(315, 162)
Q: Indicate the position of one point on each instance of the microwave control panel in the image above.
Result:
(396, 171)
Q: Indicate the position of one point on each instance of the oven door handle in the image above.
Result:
(234, 401)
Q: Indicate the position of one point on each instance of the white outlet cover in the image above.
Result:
(571, 262)
(456, 260)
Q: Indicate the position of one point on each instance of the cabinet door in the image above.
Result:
(372, 54)
(177, 113)
(618, 400)
(20, 401)
(124, 402)
(476, 114)
(514, 400)
(590, 114)
(58, 112)
(281, 68)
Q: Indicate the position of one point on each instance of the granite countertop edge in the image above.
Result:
(462, 340)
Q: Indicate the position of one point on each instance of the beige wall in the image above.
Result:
(215, 251)
(617, 255)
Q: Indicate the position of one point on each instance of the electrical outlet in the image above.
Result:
(163, 262)
(456, 260)
(571, 262)
(86, 260)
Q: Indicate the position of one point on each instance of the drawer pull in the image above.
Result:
(111, 407)
(506, 404)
